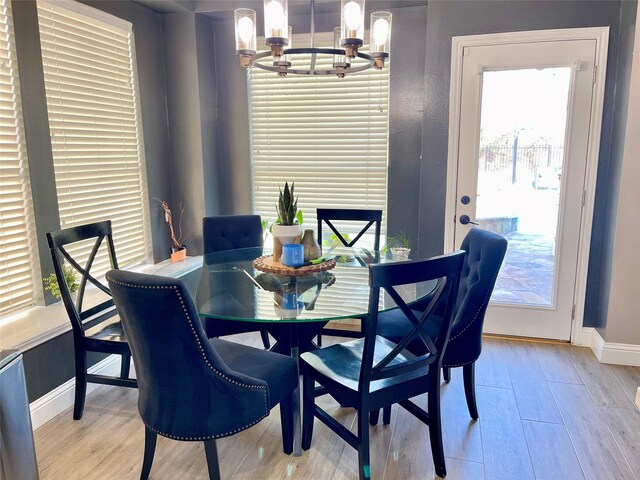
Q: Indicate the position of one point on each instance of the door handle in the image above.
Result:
(464, 219)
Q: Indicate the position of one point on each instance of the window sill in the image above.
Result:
(36, 325)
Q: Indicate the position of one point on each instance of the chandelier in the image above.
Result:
(347, 39)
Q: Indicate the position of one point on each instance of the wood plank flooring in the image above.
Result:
(546, 412)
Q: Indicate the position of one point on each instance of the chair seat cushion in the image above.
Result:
(340, 365)
(111, 331)
(279, 371)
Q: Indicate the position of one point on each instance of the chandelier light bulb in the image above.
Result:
(245, 31)
(245, 26)
(380, 34)
(352, 16)
(274, 15)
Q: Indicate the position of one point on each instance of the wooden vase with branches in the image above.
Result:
(178, 249)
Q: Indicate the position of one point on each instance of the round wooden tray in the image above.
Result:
(266, 264)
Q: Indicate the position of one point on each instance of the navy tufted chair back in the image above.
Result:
(485, 253)
(187, 392)
(228, 232)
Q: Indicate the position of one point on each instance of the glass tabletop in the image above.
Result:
(225, 285)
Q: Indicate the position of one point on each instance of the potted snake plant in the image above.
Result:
(288, 226)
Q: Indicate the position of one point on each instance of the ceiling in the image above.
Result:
(297, 7)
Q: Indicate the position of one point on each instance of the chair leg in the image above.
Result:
(212, 459)
(265, 339)
(286, 422)
(469, 377)
(308, 409)
(374, 415)
(125, 366)
(81, 383)
(150, 438)
(446, 373)
(435, 427)
(386, 415)
(364, 464)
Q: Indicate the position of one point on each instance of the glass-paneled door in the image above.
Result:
(524, 130)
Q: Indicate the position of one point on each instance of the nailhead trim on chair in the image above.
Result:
(214, 370)
(458, 365)
(477, 312)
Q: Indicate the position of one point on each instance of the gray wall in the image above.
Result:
(623, 319)
(207, 76)
(183, 101)
(192, 107)
(233, 127)
(609, 173)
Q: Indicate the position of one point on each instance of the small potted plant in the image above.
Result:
(288, 226)
(70, 277)
(399, 245)
(178, 249)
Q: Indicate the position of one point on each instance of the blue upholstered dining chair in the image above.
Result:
(222, 233)
(485, 252)
(192, 388)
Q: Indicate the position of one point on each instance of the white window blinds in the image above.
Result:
(17, 271)
(326, 134)
(94, 119)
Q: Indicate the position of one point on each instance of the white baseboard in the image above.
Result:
(62, 397)
(608, 352)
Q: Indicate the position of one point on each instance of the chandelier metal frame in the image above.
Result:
(282, 56)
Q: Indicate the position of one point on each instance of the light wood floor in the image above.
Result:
(546, 412)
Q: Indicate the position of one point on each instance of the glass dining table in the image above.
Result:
(292, 307)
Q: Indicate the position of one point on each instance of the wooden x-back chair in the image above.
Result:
(367, 217)
(374, 372)
(96, 329)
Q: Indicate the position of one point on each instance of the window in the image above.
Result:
(17, 248)
(94, 119)
(328, 135)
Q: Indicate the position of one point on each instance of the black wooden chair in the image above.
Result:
(97, 328)
(372, 372)
(367, 217)
(223, 233)
(484, 255)
(193, 388)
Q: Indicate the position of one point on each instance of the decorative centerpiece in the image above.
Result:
(311, 247)
(178, 249)
(287, 228)
(267, 264)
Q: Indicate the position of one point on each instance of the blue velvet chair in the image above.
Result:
(223, 233)
(484, 255)
(192, 388)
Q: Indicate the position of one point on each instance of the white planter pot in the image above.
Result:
(400, 252)
(286, 233)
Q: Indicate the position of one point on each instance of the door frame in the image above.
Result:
(601, 37)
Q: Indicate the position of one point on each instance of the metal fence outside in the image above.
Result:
(508, 164)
